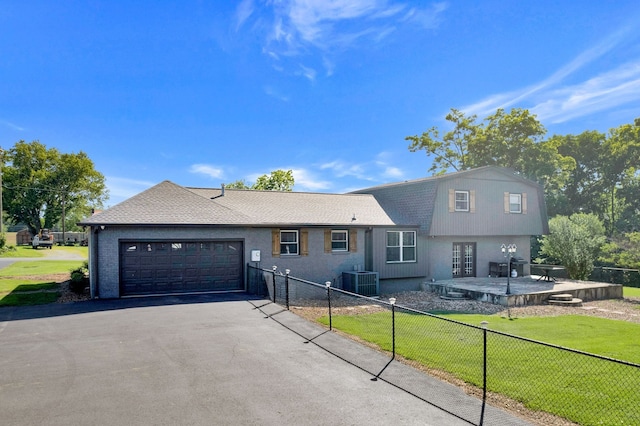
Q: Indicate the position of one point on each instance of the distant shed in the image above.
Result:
(24, 237)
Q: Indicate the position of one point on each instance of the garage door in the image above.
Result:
(180, 267)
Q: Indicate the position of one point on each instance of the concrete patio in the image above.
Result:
(524, 291)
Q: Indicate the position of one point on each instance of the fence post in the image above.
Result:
(392, 302)
(286, 287)
(484, 370)
(274, 283)
(328, 285)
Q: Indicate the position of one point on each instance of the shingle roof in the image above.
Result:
(170, 204)
(413, 201)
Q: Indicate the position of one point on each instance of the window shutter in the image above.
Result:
(304, 242)
(353, 240)
(506, 202)
(327, 240)
(472, 201)
(524, 203)
(452, 200)
(275, 243)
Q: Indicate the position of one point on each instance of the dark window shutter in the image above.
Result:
(353, 240)
(327, 240)
(275, 243)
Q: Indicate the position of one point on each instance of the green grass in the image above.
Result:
(21, 299)
(631, 291)
(79, 250)
(578, 387)
(28, 251)
(7, 285)
(610, 338)
(12, 292)
(39, 267)
(24, 251)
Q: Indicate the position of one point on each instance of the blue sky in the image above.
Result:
(202, 93)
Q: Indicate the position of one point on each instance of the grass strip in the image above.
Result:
(575, 386)
(631, 291)
(23, 251)
(8, 285)
(39, 267)
(27, 299)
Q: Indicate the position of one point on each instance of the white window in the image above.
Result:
(515, 203)
(462, 201)
(339, 240)
(401, 246)
(289, 242)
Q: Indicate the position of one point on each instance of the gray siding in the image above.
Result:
(489, 217)
(318, 266)
(487, 250)
(399, 270)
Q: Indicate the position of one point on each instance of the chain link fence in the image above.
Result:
(553, 384)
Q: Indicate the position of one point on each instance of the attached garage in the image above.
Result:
(171, 239)
(161, 267)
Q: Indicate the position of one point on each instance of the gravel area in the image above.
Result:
(627, 309)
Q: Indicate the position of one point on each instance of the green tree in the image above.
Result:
(575, 242)
(512, 140)
(238, 184)
(451, 151)
(621, 161)
(43, 186)
(507, 140)
(277, 180)
(623, 251)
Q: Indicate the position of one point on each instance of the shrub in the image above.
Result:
(79, 278)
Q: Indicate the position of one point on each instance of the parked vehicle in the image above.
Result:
(43, 239)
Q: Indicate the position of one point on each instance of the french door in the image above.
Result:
(464, 260)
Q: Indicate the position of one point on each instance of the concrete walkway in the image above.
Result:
(199, 360)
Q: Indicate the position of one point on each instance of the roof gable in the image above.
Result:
(164, 204)
(171, 204)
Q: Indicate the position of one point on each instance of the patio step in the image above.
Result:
(454, 295)
(564, 299)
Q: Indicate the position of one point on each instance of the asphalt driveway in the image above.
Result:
(196, 360)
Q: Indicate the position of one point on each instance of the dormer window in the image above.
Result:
(462, 201)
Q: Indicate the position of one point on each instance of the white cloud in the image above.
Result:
(243, 12)
(328, 27)
(207, 170)
(309, 73)
(12, 126)
(551, 100)
(342, 169)
(393, 172)
(389, 172)
(122, 188)
(274, 93)
(427, 18)
(308, 181)
(606, 91)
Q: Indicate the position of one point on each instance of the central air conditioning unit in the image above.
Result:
(361, 282)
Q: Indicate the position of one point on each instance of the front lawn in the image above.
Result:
(28, 299)
(39, 267)
(24, 251)
(20, 292)
(565, 383)
(8, 285)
